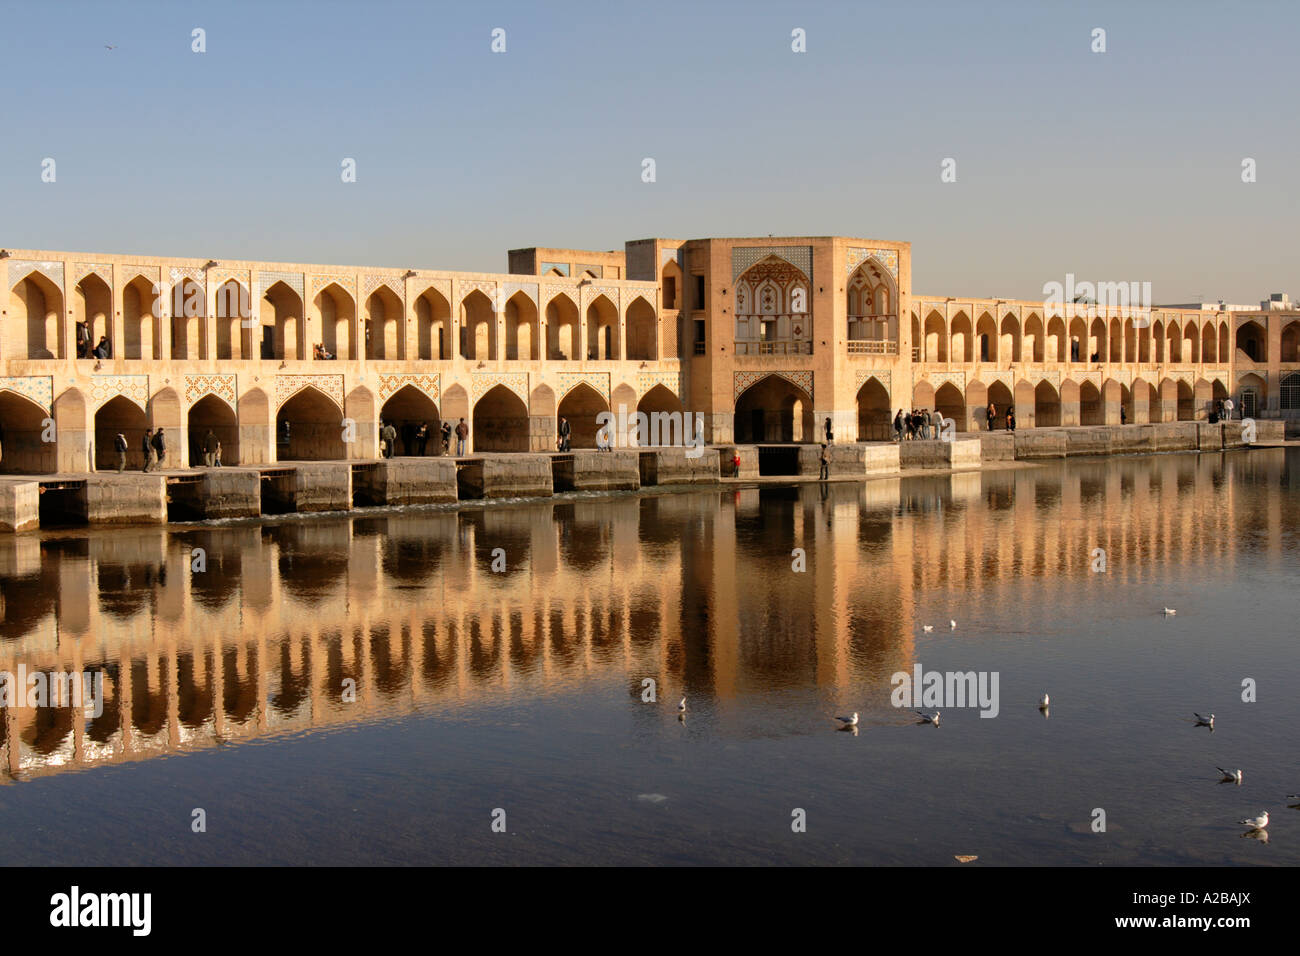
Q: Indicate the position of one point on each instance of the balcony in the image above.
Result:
(873, 347)
(786, 347)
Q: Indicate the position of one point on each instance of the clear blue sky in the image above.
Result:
(1118, 166)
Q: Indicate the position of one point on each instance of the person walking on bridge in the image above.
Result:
(160, 446)
(146, 446)
(209, 448)
(120, 446)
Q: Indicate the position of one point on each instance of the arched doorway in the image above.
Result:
(500, 422)
(478, 327)
(602, 330)
(1090, 410)
(309, 427)
(35, 303)
(432, 325)
(580, 407)
(335, 307)
(1001, 399)
(211, 413)
(1252, 341)
(874, 416)
(188, 315)
(521, 327)
(140, 328)
(384, 325)
(406, 410)
(1047, 405)
(773, 409)
(1186, 402)
(641, 331)
(283, 332)
(562, 332)
(664, 419)
(22, 452)
(93, 312)
(122, 415)
(949, 403)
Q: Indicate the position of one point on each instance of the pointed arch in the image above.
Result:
(773, 409)
(36, 306)
(335, 312)
(23, 452)
(432, 325)
(874, 414)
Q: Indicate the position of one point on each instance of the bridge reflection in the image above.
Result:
(696, 590)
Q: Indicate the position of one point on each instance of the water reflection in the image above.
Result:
(698, 590)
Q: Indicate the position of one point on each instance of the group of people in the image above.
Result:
(415, 438)
(103, 350)
(319, 351)
(153, 445)
(1009, 417)
(918, 424)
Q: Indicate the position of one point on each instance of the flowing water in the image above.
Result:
(384, 687)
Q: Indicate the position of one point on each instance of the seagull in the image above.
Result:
(107, 47)
(1045, 702)
(1170, 612)
(1204, 720)
(1256, 823)
(849, 721)
(681, 708)
(927, 628)
(928, 718)
(952, 625)
(1230, 776)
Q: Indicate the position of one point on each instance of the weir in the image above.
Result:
(28, 504)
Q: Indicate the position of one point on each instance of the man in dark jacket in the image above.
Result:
(146, 446)
(160, 446)
(462, 432)
(565, 431)
(119, 445)
(210, 448)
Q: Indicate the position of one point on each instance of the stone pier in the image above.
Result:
(505, 476)
(617, 470)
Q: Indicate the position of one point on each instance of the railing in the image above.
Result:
(872, 347)
(699, 348)
(774, 348)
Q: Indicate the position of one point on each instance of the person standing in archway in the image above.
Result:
(898, 426)
(462, 432)
(423, 437)
(565, 431)
(120, 446)
(209, 448)
(446, 438)
(160, 446)
(146, 446)
(992, 415)
(1011, 418)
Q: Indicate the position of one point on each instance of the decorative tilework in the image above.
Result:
(286, 386)
(881, 375)
(294, 280)
(220, 385)
(668, 255)
(396, 286)
(1123, 376)
(648, 380)
(102, 269)
(220, 277)
(128, 273)
(430, 383)
(38, 388)
(20, 269)
(1039, 375)
(1094, 377)
(859, 254)
(1005, 378)
(551, 291)
(745, 256)
(527, 288)
(594, 292)
(484, 382)
(347, 283)
(597, 380)
(548, 266)
(104, 388)
(743, 380)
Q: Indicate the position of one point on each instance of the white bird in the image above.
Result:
(1204, 720)
(107, 47)
(1170, 612)
(1230, 776)
(927, 628)
(851, 721)
(952, 625)
(1256, 823)
(928, 718)
(681, 708)
(1045, 703)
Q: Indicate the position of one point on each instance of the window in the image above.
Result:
(670, 292)
(699, 336)
(699, 292)
(1290, 394)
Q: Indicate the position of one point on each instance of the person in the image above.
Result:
(462, 432)
(826, 461)
(83, 341)
(446, 437)
(146, 446)
(898, 426)
(925, 423)
(830, 435)
(217, 456)
(1227, 409)
(1011, 418)
(992, 415)
(390, 439)
(735, 463)
(119, 445)
(160, 446)
(565, 431)
(1123, 415)
(103, 350)
(1074, 350)
(209, 448)
(422, 436)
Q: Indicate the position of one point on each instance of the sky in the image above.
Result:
(1122, 165)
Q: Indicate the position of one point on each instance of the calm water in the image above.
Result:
(521, 689)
